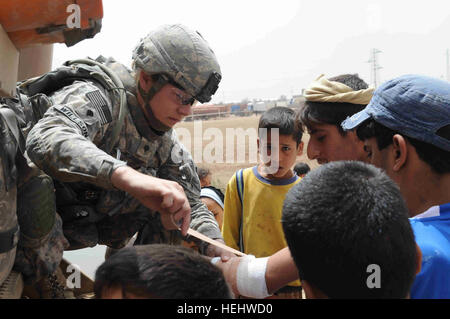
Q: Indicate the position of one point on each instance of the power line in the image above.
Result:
(375, 67)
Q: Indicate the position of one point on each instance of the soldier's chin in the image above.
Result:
(171, 121)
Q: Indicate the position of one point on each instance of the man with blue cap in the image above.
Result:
(406, 131)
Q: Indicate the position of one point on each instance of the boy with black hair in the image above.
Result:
(254, 196)
(358, 222)
(301, 169)
(406, 131)
(406, 128)
(159, 271)
(328, 103)
(204, 174)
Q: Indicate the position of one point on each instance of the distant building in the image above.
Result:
(281, 103)
(297, 101)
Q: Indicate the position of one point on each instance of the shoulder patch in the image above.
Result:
(69, 114)
(99, 103)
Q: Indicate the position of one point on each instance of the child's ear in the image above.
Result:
(300, 148)
(400, 151)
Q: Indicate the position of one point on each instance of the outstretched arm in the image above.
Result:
(280, 270)
(259, 277)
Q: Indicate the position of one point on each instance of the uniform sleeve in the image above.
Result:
(61, 142)
(181, 169)
(232, 215)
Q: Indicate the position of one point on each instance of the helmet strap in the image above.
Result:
(147, 96)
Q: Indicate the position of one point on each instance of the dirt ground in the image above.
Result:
(222, 172)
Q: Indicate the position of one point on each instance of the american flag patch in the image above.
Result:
(100, 105)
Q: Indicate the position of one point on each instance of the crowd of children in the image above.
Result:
(359, 226)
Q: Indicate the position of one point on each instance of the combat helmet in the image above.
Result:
(182, 57)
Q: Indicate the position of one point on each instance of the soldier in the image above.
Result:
(27, 203)
(116, 163)
(9, 230)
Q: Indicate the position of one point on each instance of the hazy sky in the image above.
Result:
(268, 48)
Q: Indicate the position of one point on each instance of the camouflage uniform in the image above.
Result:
(41, 242)
(8, 195)
(70, 144)
(27, 200)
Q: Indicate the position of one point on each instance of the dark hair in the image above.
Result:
(343, 217)
(161, 271)
(435, 157)
(333, 112)
(202, 172)
(351, 80)
(301, 168)
(282, 118)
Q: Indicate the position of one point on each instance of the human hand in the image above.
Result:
(214, 251)
(246, 275)
(229, 270)
(164, 196)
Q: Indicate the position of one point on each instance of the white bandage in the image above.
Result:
(251, 277)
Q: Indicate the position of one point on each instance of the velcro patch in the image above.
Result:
(100, 105)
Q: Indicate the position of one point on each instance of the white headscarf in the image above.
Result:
(323, 90)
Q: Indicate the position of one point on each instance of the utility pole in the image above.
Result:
(374, 67)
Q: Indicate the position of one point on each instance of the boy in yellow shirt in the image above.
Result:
(254, 196)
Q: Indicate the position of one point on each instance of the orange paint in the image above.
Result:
(22, 18)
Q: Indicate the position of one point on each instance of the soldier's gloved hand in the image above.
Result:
(158, 194)
(214, 251)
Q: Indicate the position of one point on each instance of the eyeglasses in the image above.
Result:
(183, 98)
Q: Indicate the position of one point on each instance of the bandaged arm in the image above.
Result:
(259, 277)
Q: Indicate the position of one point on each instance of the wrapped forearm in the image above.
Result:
(248, 278)
(251, 281)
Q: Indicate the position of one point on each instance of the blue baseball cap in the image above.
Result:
(414, 105)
